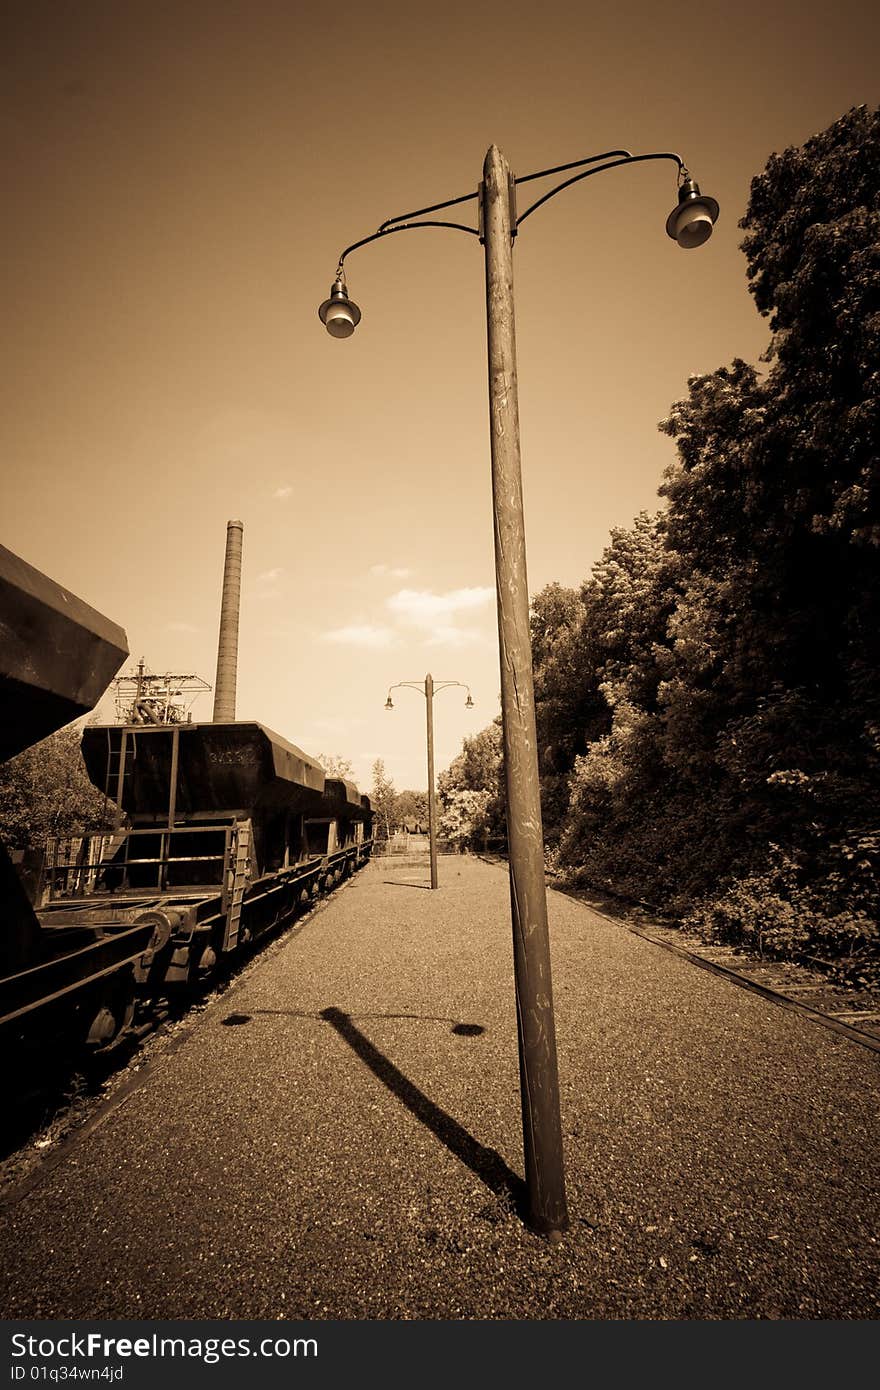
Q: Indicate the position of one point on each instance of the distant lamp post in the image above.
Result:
(429, 688)
(689, 224)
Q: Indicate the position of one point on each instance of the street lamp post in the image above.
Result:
(689, 223)
(428, 689)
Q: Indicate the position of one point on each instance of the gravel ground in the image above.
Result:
(325, 1144)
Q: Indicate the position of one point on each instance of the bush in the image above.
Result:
(784, 914)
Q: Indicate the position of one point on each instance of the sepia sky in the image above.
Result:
(180, 179)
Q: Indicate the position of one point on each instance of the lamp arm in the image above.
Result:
(435, 207)
(575, 164)
(403, 227)
(611, 159)
(598, 169)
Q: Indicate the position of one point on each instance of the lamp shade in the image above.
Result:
(691, 221)
(339, 314)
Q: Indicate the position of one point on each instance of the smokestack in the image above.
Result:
(227, 646)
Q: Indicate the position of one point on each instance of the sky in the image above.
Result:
(180, 179)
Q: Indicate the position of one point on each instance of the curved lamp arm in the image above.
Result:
(421, 686)
(444, 685)
(611, 163)
(405, 222)
(690, 223)
(385, 230)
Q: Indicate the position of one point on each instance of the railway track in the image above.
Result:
(850, 1011)
(48, 1103)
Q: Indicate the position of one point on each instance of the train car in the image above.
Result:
(57, 656)
(231, 829)
(224, 830)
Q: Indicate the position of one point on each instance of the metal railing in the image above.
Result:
(103, 861)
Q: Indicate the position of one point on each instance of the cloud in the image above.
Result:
(391, 571)
(435, 615)
(421, 608)
(269, 576)
(361, 635)
(421, 614)
(282, 493)
(451, 636)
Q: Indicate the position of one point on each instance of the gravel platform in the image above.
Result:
(338, 1136)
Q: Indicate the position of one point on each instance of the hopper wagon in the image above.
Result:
(224, 830)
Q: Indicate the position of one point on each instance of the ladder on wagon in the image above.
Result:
(241, 864)
(119, 769)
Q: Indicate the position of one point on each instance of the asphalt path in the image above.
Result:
(339, 1136)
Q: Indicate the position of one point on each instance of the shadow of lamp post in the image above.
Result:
(429, 689)
(689, 223)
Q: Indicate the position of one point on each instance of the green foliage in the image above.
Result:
(45, 791)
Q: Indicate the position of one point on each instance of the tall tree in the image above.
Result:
(46, 791)
(382, 798)
(471, 792)
(775, 509)
(567, 699)
(745, 688)
(335, 766)
(411, 808)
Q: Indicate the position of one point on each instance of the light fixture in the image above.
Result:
(339, 314)
(690, 223)
(469, 704)
(389, 704)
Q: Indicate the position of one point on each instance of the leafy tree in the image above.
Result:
(477, 766)
(45, 791)
(597, 650)
(567, 700)
(464, 820)
(471, 791)
(411, 808)
(775, 512)
(740, 658)
(382, 798)
(335, 766)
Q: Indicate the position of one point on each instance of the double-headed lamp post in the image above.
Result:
(429, 689)
(689, 223)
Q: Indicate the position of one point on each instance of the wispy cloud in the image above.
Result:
(282, 493)
(436, 615)
(435, 619)
(448, 635)
(361, 635)
(269, 576)
(393, 572)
